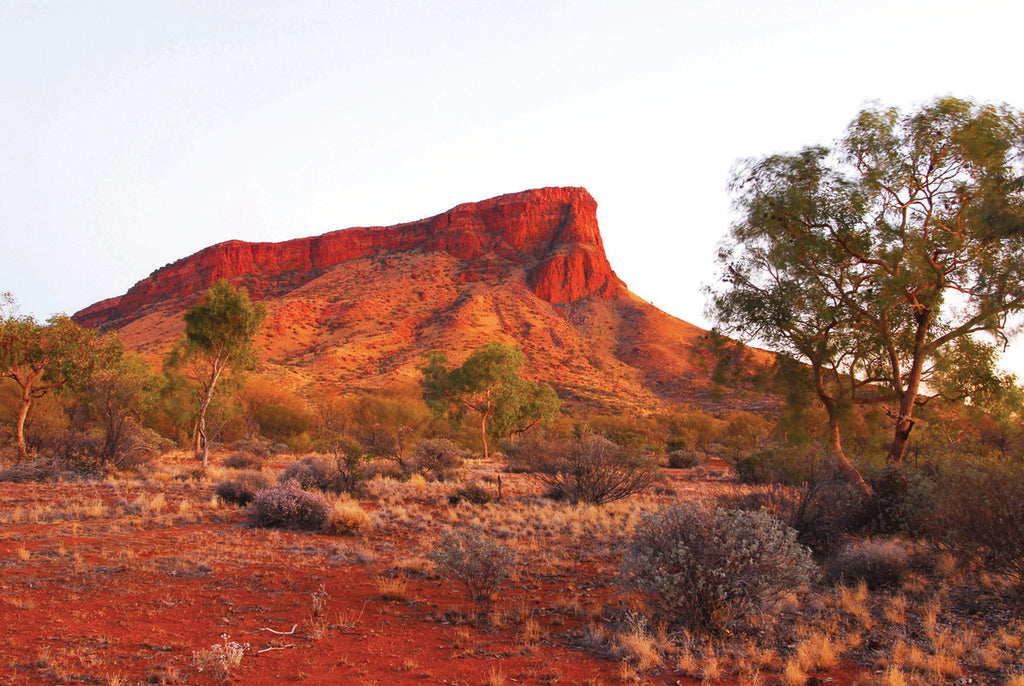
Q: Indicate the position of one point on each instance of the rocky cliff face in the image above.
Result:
(551, 234)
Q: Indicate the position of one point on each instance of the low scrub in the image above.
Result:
(823, 513)
(290, 507)
(243, 488)
(344, 472)
(877, 562)
(591, 469)
(976, 510)
(703, 568)
(437, 458)
(479, 563)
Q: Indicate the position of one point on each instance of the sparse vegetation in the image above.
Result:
(704, 568)
(289, 506)
(477, 562)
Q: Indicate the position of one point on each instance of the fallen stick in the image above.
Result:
(279, 633)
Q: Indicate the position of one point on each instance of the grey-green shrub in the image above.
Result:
(877, 562)
(437, 458)
(290, 507)
(594, 470)
(479, 563)
(243, 488)
(703, 569)
(976, 510)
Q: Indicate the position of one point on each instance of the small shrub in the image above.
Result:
(220, 659)
(242, 489)
(684, 459)
(243, 459)
(471, 493)
(977, 511)
(477, 562)
(310, 473)
(253, 445)
(289, 506)
(703, 568)
(342, 473)
(877, 562)
(823, 513)
(346, 517)
(595, 470)
(437, 458)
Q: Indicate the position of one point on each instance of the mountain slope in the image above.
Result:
(359, 307)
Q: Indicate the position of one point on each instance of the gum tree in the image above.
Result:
(40, 358)
(219, 333)
(871, 259)
(489, 384)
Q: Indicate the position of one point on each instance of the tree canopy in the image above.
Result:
(489, 384)
(40, 358)
(219, 334)
(873, 261)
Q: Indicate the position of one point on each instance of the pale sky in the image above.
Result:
(134, 133)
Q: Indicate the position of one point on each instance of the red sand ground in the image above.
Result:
(127, 592)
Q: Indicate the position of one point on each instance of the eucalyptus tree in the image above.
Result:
(40, 358)
(220, 331)
(873, 258)
(489, 384)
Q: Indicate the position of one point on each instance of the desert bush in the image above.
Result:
(684, 459)
(242, 489)
(528, 453)
(243, 459)
(472, 492)
(78, 450)
(976, 510)
(343, 472)
(310, 473)
(346, 517)
(289, 506)
(877, 562)
(822, 512)
(744, 433)
(477, 562)
(254, 445)
(437, 458)
(703, 568)
(595, 470)
(785, 464)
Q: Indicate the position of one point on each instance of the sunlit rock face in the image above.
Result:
(549, 233)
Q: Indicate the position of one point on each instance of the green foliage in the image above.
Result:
(477, 562)
(743, 433)
(40, 358)
(975, 509)
(692, 429)
(872, 261)
(278, 413)
(118, 396)
(219, 333)
(488, 383)
(703, 569)
(389, 423)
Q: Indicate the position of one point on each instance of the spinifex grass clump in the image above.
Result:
(289, 506)
(703, 568)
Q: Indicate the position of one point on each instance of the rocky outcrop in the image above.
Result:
(551, 232)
